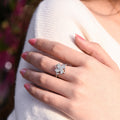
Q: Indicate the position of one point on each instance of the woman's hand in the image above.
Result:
(90, 87)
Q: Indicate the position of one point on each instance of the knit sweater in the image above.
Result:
(58, 20)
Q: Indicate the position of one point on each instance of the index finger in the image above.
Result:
(60, 51)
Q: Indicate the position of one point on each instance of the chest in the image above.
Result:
(111, 25)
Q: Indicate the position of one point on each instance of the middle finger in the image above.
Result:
(48, 65)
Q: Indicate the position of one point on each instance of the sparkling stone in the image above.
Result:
(56, 70)
(58, 66)
(60, 69)
(61, 72)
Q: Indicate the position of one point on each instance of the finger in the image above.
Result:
(48, 65)
(60, 51)
(48, 82)
(95, 50)
(59, 102)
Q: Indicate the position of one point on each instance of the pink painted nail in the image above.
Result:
(24, 55)
(79, 37)
(27, 86)
(23, 71)
(32, 41)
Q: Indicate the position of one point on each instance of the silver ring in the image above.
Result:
(60, 69)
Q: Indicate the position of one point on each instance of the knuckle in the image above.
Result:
(42, 79)
(34, 91)
(94, 49)
(55, 47)
(77, 79)
(75, 92)
(42, 62)
(46, 98)
(90, 61)
(80, 77)
(71, 107)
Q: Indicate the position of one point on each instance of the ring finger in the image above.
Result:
(48, 65)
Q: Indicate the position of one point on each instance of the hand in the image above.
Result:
(90, 87)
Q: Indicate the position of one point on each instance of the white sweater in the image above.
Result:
(58, 20)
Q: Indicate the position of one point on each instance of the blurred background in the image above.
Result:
(14, 20)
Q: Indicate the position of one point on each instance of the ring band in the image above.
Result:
(60, 69)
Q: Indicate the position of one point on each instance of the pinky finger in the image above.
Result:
(57, 101)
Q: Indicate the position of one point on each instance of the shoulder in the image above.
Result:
(58, 6)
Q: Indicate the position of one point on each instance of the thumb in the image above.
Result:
(95, 50)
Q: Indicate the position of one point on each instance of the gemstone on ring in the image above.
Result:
(60, 69)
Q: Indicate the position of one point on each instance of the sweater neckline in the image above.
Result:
(98, 23)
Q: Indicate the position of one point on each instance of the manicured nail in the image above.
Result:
(27, 86)
(24, 55)
(23, 71)
(79, 37)
(32, 41)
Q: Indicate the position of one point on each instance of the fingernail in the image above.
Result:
(32, 41)
(24, 55)
(27, 86)
(23, 71)
(79, 37)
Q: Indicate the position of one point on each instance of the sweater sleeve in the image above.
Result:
(52, 20)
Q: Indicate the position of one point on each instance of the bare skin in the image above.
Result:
(86, 93)
(92, 91)
(110, 23)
